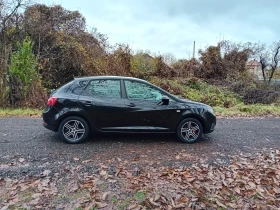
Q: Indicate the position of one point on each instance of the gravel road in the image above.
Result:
(27, 148)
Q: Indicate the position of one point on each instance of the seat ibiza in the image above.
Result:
(123, 104)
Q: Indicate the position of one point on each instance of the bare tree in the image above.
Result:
(261, 53)
(275, 58)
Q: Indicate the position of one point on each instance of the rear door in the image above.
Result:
(102, 100)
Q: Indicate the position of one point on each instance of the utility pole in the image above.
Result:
(193, 49)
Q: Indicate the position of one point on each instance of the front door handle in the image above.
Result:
(131, 105)
(88, 103)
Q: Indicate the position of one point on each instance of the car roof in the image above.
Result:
(110, 77)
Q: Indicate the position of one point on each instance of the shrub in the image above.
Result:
(254, 96)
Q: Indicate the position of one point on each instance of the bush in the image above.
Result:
(254, 96)
(198, 90)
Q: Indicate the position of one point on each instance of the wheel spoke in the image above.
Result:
(76, 137)
(184, 130)
(187, 137)
(76, 124)
(80, 130)
(195, 128)
(69, 133)
(69, 127)
(189, 125)
(193, 134)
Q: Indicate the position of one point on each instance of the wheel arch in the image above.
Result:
(73, 114)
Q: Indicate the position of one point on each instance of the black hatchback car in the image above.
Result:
(123, 104)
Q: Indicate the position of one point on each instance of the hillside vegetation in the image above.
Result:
(42, 47)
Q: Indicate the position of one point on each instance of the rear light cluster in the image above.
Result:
(52, 101)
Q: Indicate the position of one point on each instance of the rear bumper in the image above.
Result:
(49, 120)
(49, 127)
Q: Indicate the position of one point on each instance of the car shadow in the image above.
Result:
(131, 138)
(145, 138)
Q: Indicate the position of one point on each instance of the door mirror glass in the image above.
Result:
(165, 100)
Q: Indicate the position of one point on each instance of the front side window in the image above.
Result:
(138, 90)
(104, 88)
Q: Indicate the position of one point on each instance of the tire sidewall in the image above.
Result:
(85, 124)
(178, 131)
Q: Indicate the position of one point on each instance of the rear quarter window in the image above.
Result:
(77, 87)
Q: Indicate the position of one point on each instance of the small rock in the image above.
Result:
(46, 172)
(98, 182)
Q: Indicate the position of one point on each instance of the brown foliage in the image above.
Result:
(253, 96)
(187, 68)
(163, 70)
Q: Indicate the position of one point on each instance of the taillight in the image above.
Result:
(52, 101)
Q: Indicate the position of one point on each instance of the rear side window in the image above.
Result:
(77, 87)
(103, 88)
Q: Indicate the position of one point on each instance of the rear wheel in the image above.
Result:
(189, 130)
(73, 130)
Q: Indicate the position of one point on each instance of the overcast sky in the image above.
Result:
(171, 26)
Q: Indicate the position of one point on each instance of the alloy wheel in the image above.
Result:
(73, 130)
(190, 131)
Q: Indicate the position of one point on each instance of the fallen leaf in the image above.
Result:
(184, 199)
(190, 179)
(157, 197)
(252, 185)
(237, 189)
(103, 166)
(133, 206)
(180, 206)
(34, 202)
(87, 161)
(105, 195)
(21, 160)
(220, 204)
(36, 195)
(101, 205)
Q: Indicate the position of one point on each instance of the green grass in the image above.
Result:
(20, 112)
(241, 110)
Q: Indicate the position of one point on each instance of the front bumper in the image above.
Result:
(210, 124)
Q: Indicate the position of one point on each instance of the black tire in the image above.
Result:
(192, 134)
(68, 130)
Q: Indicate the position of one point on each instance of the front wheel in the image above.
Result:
(189, 130)
(73, 130)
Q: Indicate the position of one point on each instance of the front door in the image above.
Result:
(145, 104)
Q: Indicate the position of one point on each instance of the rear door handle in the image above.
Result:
(131, 105)
(88, 103)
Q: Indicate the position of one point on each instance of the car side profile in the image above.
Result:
(123, 104)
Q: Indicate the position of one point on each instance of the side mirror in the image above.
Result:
(165, 100)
